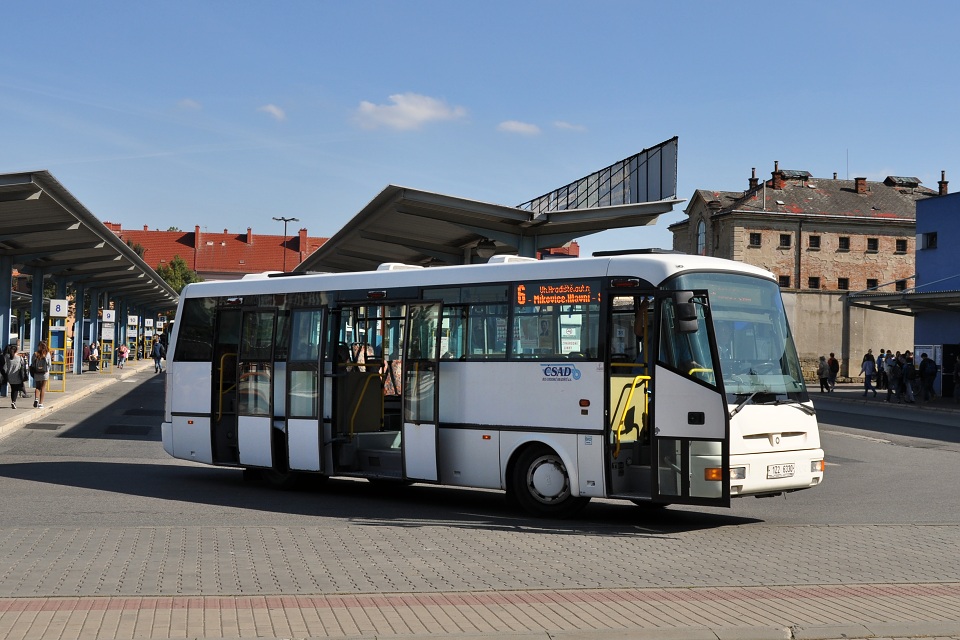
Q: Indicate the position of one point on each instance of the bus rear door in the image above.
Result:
(420, 392)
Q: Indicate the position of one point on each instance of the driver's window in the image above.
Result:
(686, 352)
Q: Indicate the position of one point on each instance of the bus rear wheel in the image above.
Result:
(541, 484)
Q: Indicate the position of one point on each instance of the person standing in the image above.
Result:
(823, 373)
(13, 373)
(834, 366)
(894, 373)
(956, 380)
(881, 370)
(909, 379)
(94, 356)
(868, 368)
(40, 369)
(928, 373)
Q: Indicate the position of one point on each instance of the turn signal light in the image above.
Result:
(817, 466)
(713, 473)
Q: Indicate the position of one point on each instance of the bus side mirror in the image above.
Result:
(685, 312)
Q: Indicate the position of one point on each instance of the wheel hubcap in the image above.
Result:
(547, 480)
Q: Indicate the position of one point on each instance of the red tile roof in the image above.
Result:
(221, 255)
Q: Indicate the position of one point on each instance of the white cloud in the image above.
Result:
(408, 111)
(515, 126)
(569, 126)
(190, 104)
(274, 112)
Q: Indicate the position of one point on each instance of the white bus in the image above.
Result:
(655, 377)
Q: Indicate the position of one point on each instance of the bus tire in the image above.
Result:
(541, 484)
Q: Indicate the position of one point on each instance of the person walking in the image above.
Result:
(834, 366)
(158, 353)
(823, 373)
(40, 369)
(868, 368)
(122, 352)
(14, 373)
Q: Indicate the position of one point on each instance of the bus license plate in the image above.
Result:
(780, 470)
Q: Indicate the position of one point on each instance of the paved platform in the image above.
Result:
(160, 582)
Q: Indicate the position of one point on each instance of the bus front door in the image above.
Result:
(420, 392)
(690, 428)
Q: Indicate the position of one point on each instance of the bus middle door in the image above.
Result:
(419, 440)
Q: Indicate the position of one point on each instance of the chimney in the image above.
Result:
(753, 178)
(302, 244)
(943, 183)
(834, 175)
(777, 182)
(196, 236)
(860, 184)
(146, 227)
(249, 236)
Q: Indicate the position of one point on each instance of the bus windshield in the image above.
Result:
(756, 350)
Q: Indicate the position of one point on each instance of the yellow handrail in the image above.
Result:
(626, 407)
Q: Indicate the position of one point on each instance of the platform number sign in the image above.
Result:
(58, 308)
(109, 315)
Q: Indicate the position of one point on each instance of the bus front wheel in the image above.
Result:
(541, 484)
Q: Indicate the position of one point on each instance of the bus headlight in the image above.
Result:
(817, 466)
(738, 473)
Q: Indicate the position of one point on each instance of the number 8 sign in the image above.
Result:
(58, 308)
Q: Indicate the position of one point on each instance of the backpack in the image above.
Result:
(38, 367)
(912, 372)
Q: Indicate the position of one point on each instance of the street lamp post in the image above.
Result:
(285, 221)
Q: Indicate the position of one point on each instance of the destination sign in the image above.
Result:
(548, 293)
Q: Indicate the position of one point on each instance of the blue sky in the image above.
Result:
(226, 114)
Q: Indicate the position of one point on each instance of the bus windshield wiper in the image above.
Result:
(793, 403)
(743, 403)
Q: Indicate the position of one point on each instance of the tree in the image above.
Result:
(177, 274)
(136, 247)
(173, 229)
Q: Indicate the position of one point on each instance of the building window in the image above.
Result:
(784, 241)
(815, 242)
(928, 240)
(785, 281)
(901, 245)
(872, 283)
(813, 282)
(843, 284)
(701, 239)
(843, 243)
(873, 245)
(754, 239)
(901, 285)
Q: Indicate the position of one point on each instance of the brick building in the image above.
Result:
(822, 237)
(221, 256)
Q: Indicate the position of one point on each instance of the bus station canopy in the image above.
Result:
(46, 231)
(418, 227)
(908, 302)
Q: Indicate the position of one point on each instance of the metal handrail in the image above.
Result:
(222, 392)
